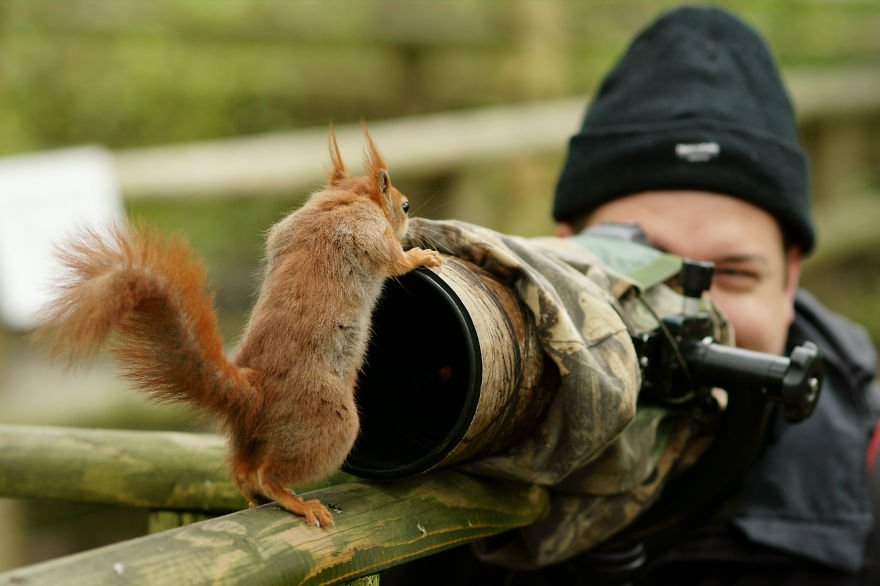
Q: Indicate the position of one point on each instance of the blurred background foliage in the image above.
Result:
(133, 73)
(130, 73)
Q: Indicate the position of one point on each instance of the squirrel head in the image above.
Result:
(376, 184)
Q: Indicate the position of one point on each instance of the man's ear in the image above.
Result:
(564, 230)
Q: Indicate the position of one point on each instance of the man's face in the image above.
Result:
(754, 278)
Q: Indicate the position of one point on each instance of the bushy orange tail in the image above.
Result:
(152, 293)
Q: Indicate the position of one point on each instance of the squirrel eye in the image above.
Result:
(405, 206)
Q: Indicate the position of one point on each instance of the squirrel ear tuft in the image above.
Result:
(374, 164)
(383, 182)
(337, 173)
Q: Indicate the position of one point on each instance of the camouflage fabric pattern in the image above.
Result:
(603, 460)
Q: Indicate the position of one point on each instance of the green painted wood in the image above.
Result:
(164, 520)
(378, 525)
(155, 470)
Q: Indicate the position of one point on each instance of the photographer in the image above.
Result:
(693, 137)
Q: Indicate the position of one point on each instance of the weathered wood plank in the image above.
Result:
(377, 526)
(157, 470)
(295, 161)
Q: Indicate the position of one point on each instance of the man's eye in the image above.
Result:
(736, 278)
(736, 273)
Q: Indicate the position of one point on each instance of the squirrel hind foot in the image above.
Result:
(314, 512)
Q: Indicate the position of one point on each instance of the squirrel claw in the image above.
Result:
(435, 259)
(320, 513)
(314, 512)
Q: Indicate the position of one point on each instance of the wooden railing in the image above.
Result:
(293, 161)
(181, 477)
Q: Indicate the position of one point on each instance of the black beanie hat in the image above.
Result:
(695, 103)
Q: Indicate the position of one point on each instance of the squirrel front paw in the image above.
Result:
(419, 257)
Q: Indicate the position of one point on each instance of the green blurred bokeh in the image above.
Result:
(130, 73)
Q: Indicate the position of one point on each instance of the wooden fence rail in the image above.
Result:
(378, 525)
(147, 469)
(293, 161)
(156, 470)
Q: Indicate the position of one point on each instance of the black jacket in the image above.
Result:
(808, 494)
(802, 514)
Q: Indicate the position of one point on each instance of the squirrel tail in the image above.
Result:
(152, 293)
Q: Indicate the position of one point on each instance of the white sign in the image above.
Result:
(45, 198)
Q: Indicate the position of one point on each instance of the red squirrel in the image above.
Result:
(286, 401)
